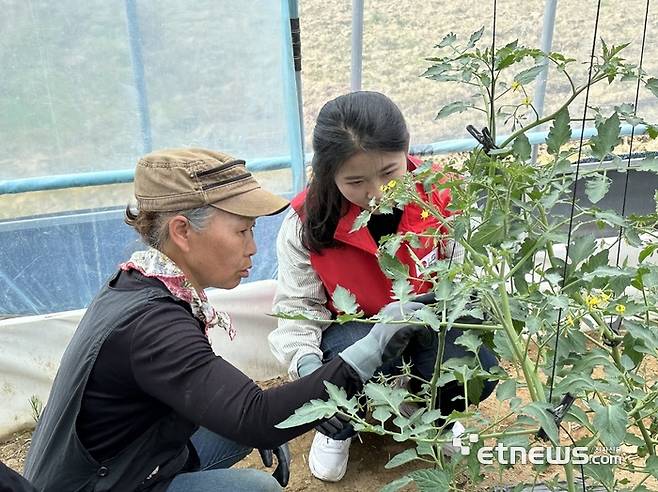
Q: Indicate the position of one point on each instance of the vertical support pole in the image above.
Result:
(135, 40)
(357, 45)
(296, 33)
(291, 98)
(546, 44)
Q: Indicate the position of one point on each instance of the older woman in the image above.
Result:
(140, 401)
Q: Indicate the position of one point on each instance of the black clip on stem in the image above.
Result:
(558, 414)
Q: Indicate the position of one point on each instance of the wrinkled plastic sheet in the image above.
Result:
(58, 263)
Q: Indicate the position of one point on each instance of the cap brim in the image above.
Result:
(253, 203)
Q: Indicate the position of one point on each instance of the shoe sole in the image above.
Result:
(324, 478)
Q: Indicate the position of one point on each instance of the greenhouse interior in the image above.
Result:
(538, 120)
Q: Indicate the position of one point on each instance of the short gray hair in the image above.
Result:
(153, 227)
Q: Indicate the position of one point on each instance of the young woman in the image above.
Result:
(140, 400)
(360, 144)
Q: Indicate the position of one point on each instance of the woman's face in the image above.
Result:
(220, 254)
(362, 176)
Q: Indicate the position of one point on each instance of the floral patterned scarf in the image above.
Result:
(153, 263)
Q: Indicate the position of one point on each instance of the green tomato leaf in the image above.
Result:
(339, 396)
(309, 412)
(431, 480)
(427, 315)
(392, 245)
(428, 418)
(597, 187)
(443, 291)
(470, 340)
(502, 346)
(560, 132)
(652, 131)
(506, 390)
(632, 237)
(607, 272)
(581, 248)
(647, 251)
(528, 75)
(610, 217)
(521, 147)
(652, 466)
(361, 220)
(646, 337)
(652, 85)
(447, 40)
(392, 267)
(604, 474)
(546, 420)
(491, 232)
(453, 107)
(607, 136)
(382, 395)
(396, 484)
(475, 37)
(381, 413)
(401, 458)
(649, 164)
(593, 262)
(610, 421)
(402, 290)
(344, 300)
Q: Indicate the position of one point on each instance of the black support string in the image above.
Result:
(573, 197)
(630, 150)
(492, 123)
(571, 214)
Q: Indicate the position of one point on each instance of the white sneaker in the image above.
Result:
(328, 457)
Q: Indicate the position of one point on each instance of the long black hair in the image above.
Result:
(360, 121)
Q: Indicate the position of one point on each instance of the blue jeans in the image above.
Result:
(217, 455)
(338, 337)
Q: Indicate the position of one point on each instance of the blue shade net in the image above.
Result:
(91, 86)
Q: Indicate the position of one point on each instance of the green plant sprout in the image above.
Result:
(36, 408)
(517, 281)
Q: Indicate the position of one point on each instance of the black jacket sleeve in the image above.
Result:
(172, 361)
(10, 481)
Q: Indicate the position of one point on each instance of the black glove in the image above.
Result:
(386, 340)
(337, 427)
(282, 471)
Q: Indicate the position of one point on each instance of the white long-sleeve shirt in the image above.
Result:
(299, 289)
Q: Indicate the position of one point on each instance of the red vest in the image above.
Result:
(352, 264)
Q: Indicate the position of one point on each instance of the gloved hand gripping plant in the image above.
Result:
(572, 320)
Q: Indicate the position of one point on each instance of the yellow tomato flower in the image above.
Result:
(391, 184)
(384, 188)
(592, 301)
(620, 308)
(526, 101)
(570, 321)
(424, 214)
(515, 85)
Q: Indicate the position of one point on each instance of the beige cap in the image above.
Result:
(182, 179)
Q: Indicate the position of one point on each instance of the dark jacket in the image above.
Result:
(136, 380)
(57, 461)
(10, 481)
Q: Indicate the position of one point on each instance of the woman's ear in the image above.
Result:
(179, 233)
